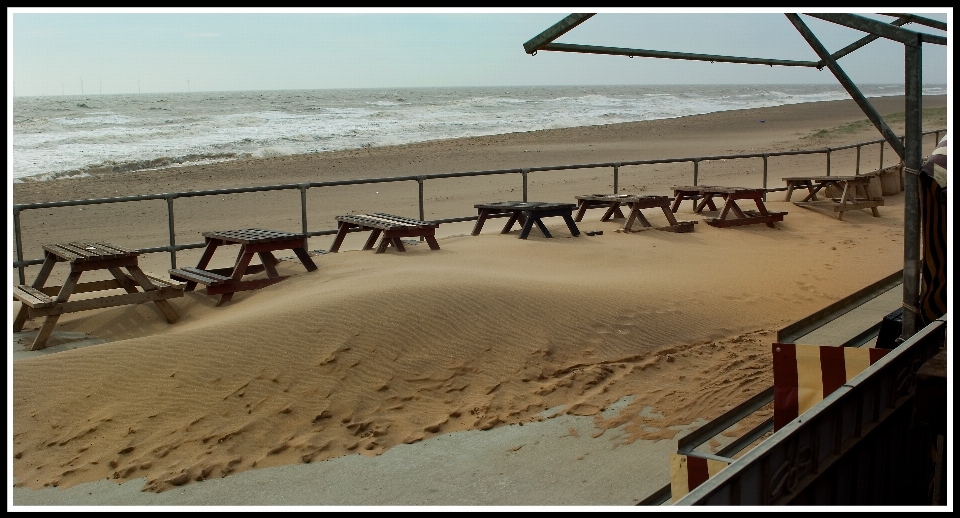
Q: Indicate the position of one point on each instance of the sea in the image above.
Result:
(60, 136)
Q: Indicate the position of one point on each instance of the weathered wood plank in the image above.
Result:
(106, 302)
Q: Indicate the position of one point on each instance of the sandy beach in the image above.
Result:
(375, 354)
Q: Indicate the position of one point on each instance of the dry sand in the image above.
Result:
(376, 351)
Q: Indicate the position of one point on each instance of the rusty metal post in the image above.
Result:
(828, 161)
(16, 232)
(857, 173)
(525, 172)
(766, 157)
(696, 178)
(913, 141)
(173, 235)
(303, 208)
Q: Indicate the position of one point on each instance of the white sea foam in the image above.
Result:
(95, 134)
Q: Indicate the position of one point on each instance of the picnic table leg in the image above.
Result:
(677, 198)
(573, 226)
(305, 259)
(706, 200)
(634, 209)
(813, 190)
(373, 238)
(51, 321)
(48, 263)
(342, 229)
(144, 282)
(483, 213)
(726, 208)
(732, 202)
(241, 267)
(125, 282)
(432, 241)
(763, 211)
(509, 224)
(670, 219)
(612, 210)
(790, 186)
(269, 262)
(528, 225)
(212, 245)
(843, 200)
(581, 209)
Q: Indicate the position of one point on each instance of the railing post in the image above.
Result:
(420, 186)
(828, 161)
(173, 238)
(303, 209)
(765, 157)
(525, 171)
(696, 178)
(857, 173)
(16, 231)
(882, 142)
(616, 178)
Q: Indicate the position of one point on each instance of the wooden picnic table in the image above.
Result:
(854, 195)
(391, 227)
(528, 213)
(700, 195)
(53, 301)
(638, 203)
(227, 281)
(730, 195)
(613, 202)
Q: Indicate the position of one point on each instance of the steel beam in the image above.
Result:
(862, 42)
(643, 53)
(558, 29)
(913, 153)
(912, 18)
(847, 83)
(861, 23)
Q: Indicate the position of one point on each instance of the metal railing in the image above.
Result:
(172, 247)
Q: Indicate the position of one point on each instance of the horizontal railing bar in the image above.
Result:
(334, 183)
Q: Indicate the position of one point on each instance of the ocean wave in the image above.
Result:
(111, 167)
(54, 137)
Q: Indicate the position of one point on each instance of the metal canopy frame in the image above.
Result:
(910, 150)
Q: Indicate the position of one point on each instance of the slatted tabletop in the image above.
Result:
(81, 252)
(251, 235)
(385, 221)
(389, 228)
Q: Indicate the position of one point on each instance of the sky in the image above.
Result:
(98, 51)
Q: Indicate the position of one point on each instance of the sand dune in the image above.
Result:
(375, 350)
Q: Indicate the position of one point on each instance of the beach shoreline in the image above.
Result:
(377, 351)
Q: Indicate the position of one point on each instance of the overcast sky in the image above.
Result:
(61, 52)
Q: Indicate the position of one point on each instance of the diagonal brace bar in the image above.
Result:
(861, 23)
(848, 85)
(558, 29)
(862, 42)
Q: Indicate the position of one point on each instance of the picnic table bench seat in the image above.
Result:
(391, 227)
